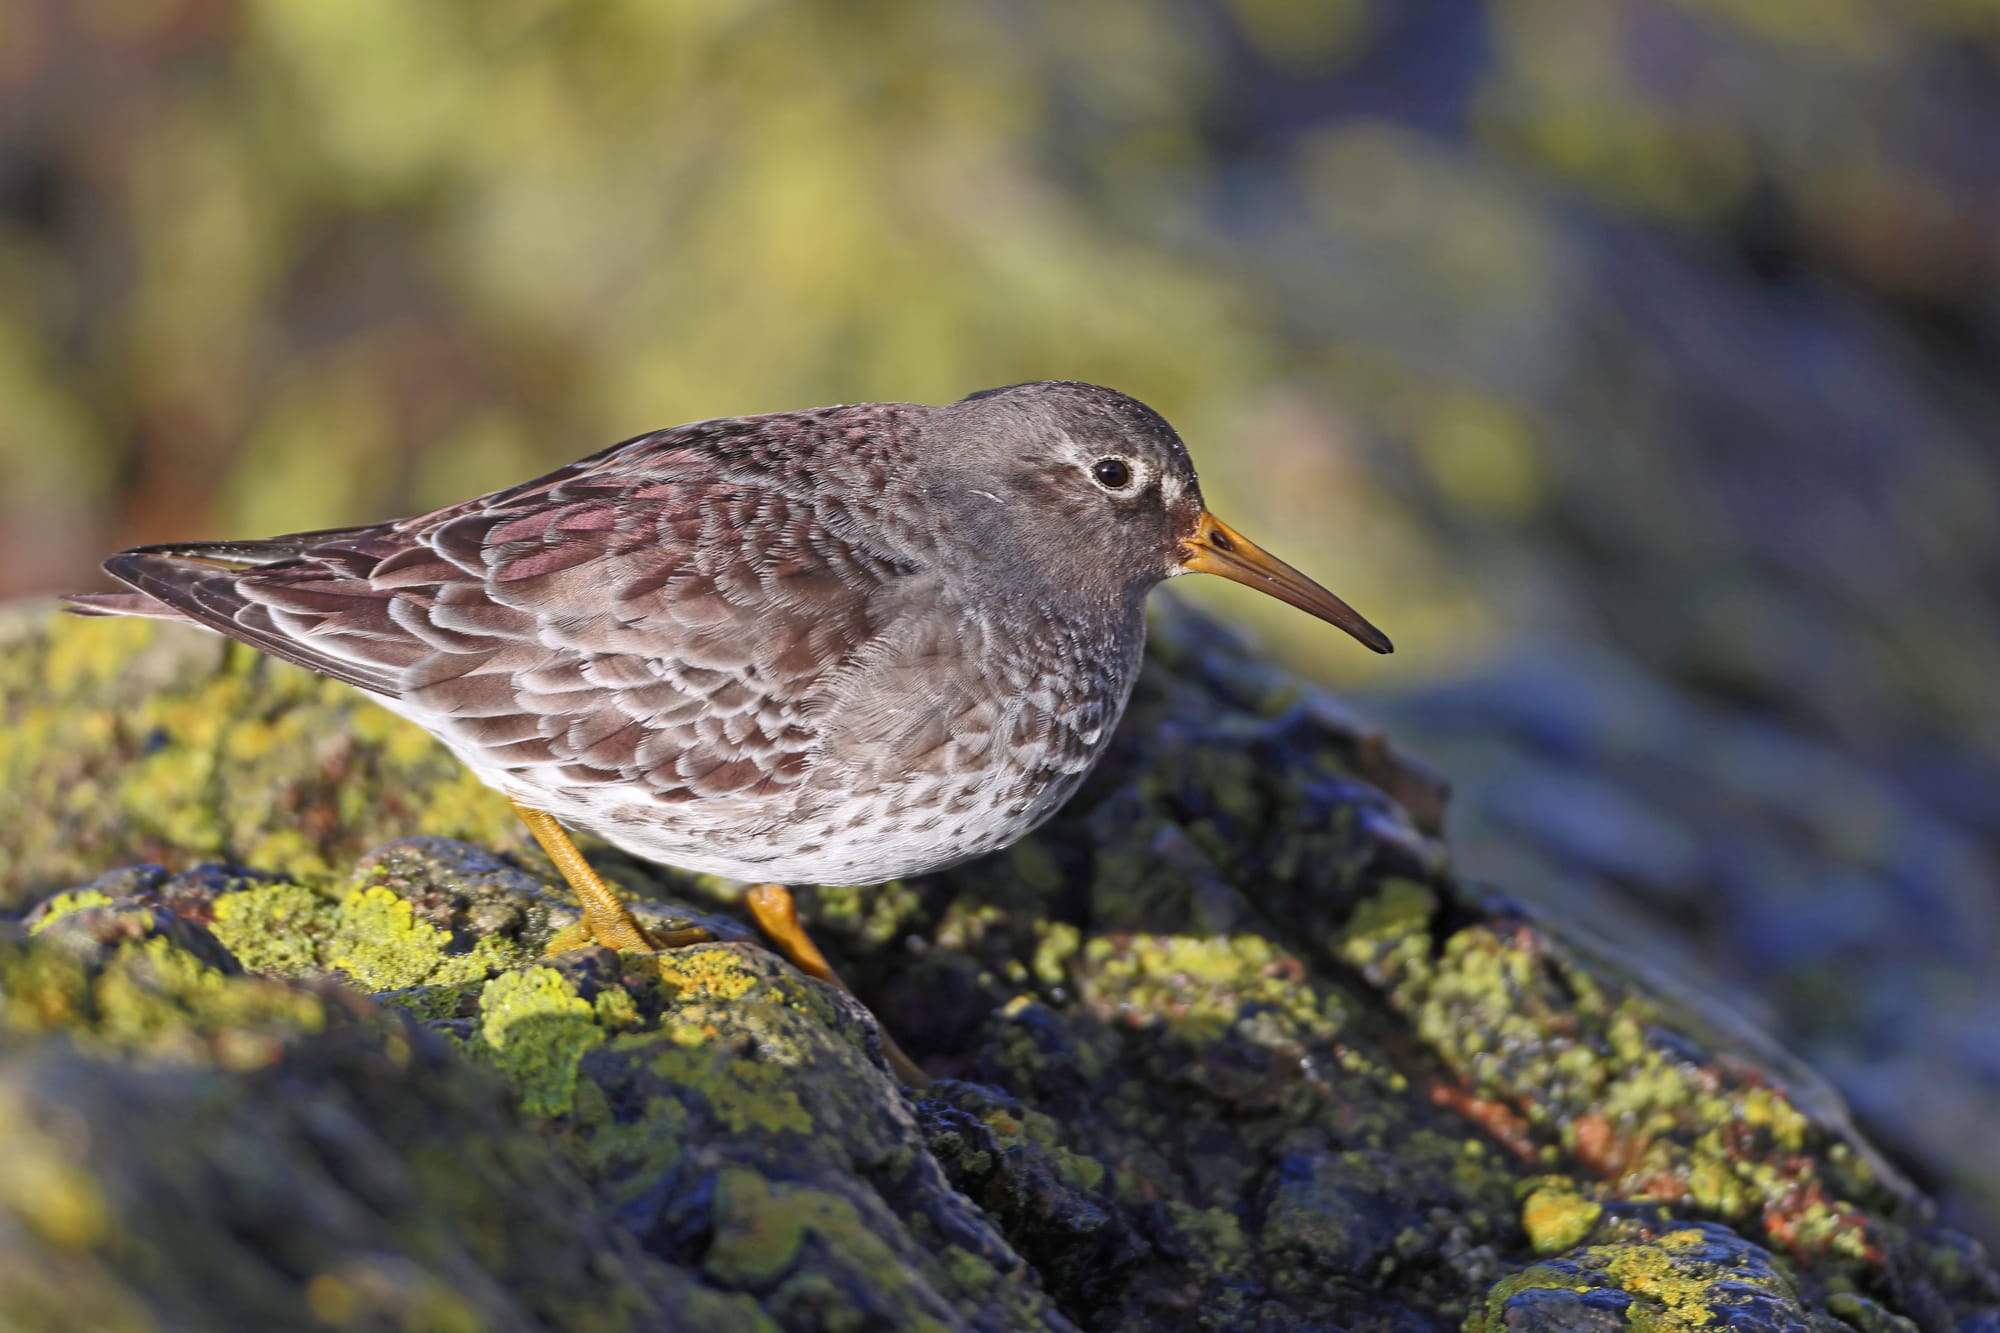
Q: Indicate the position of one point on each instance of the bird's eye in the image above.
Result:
(1113, 474)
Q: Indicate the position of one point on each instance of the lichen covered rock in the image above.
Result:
(1227, 1045)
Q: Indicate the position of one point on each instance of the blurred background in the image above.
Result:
(1633, 363)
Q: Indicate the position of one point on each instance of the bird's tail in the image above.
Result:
(119, 604)
(171, 568)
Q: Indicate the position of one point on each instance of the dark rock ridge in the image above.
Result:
(1227, 1045)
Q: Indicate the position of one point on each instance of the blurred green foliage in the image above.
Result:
(366, 257)
(1665, 332)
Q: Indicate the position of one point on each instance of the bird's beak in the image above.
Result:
(1217, 548)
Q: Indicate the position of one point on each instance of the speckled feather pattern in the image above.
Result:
(735, 646)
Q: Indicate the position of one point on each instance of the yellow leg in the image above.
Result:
(606, 918)
(608, 921)
(775, 913)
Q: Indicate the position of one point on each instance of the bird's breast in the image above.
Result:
(954, 732)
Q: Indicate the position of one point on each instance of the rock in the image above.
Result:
(1700, 1276)
(1227, 1045)
(1863, 920)
(200, 1150)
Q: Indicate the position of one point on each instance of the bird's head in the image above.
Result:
(1074, 486)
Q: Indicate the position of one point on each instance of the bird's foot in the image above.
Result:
(606, 920)
(622, 931)
(777, 915)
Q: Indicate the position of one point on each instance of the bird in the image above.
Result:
(842, 645)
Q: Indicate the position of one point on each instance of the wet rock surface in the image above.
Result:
(1227, 1045)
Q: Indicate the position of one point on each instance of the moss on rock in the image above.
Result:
(1227, 1045)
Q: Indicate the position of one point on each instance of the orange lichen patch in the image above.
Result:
(1600, 1148)
(1660, 1187)
(1807, 1224)
(1507, 1127)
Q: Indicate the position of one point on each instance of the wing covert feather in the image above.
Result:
(661, 614)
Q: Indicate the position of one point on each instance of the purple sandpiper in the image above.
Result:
(837, 646)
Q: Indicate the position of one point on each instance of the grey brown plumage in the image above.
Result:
(833, 646)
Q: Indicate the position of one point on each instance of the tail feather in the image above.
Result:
(199, 583)
(190, 558)
(269, 550)
(119, 604)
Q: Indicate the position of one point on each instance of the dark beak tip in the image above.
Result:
(1216, 549)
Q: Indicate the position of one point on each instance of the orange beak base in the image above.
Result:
(1217, 548)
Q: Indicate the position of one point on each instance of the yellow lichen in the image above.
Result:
(536, 1029)
(63, 904)
(705, 972)
(380, 942)
(1557, 1218)
(275, 928)
(1196, 987)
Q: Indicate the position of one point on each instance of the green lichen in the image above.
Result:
(136, 740)
(615, 1010)
(1578, 1061)
(764, 1231)
(867, 917)
(372, 936)
(1196, 988)
(1389, 933)
(1077, 1170)
(1213, 1234)
(42, 1187)
(536, 1029)
(352, 1298)
(743, 1096)
(1865, 1316)
(968, 1271)
(432, 1004)
(761, 1229)
(1228, 1074)
(155, 1108)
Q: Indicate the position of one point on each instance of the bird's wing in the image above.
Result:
(648, 615)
